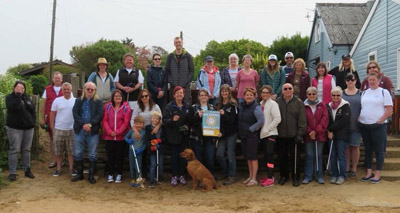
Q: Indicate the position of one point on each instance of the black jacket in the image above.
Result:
(96, 114)
(293, 118)
(149, 137)
(20, 111)
(157, 80)
(195, 122)
(229, 121)
(340, 127)
(341, 76)
(173, 129)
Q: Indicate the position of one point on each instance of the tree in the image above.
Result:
(221, 52)
(38, 83)
(159, 50)
(85, 56)
(17, 69)
(64, 69)
(295, 44)
(128, 42)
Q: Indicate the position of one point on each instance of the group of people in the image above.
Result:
(293, 112)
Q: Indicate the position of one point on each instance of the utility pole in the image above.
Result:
(53, 26)
(181, 35)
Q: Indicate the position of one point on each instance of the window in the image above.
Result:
(328, 65)
(317, 37)
(372, 56)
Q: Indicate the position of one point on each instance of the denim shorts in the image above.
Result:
(355, 137)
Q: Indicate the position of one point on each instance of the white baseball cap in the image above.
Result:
(272, 57)
(289, 54)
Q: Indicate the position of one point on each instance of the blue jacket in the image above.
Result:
(202, 81)
(250, 119)
(156, 80)
(276, 82)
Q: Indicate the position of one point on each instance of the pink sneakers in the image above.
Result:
(268, 182)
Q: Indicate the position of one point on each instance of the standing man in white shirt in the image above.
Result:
(62, 125)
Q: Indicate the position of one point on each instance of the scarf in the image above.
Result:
(312, 103)
(335, 105)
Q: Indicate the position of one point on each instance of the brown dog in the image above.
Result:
(198, 171)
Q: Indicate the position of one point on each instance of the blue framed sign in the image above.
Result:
(211, 122)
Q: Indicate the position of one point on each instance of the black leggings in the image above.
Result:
(268, 147)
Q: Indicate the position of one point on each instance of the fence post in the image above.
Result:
(35, 140)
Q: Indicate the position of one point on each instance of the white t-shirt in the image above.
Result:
(140, 78)
(146, 114)
(373, 104)
(64, 117)
(56, 89)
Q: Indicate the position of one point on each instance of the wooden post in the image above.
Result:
(35, 140)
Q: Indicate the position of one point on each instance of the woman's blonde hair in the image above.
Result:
(303, 63)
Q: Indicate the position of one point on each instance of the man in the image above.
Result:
(180, 69)
(62, 125)
(290, 133)
(129, 80)
(50, 93)
(157, 81)
(88, 113)
(288, 68)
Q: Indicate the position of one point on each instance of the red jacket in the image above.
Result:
(50, 96)
(117, 121)
(326, 88)
(317, 122)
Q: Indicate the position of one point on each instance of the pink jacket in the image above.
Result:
(317, 122)
(326, 88)
(117, 121)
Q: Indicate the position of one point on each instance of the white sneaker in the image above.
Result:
(118, 178)
(110, 179)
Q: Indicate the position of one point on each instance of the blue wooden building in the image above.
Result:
(335, 29)
(379, 39)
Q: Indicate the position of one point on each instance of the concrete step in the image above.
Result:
(392, 175)
(393, 141)
(392, 152)
(391, 164)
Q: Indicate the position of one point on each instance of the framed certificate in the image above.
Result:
(211, 122)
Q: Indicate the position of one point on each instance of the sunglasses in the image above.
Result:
(145, 96)
(287, 88)
(372, 67)
(265, 92)
(157, 59)
(311, 94)
(289, 57)
(89, 89)
(352, 80)
(336, 95)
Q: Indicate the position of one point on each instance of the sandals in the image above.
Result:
(246, 181)
(252, 183)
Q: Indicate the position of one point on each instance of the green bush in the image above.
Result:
(38, 83)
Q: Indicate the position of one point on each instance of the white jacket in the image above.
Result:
(272, 118)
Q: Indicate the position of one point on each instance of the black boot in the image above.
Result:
(92, 169)
(296, 180)
(28, 173)
(79, 174)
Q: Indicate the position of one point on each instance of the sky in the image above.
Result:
(26, 24)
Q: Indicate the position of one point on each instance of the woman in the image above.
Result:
(345, 67)
(338, 133)
(376, 107)
(250, 120)
(157, 81)
(227, 107)
(324, 83)
(299, 79)
(203, 146)
(144, 107)
(176, 127)
(353, 96)
(315, 137)
(384, 81)
(269, 132)
(103, 80)
(209, 79)
(117, 115)
(21, 119)
(246, 77)
(273, 76)
(228, 75)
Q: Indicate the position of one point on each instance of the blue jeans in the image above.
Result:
(91, 141)
(374, 136)
(227, 144)
(133, 169)
(205, 152)
(338, 158)
(311, 164)
(153, 166)
(19, 141)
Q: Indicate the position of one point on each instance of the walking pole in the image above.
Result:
(140, 179)
(329, 156)
(295, 159)
(157, 167)
(316, 155)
